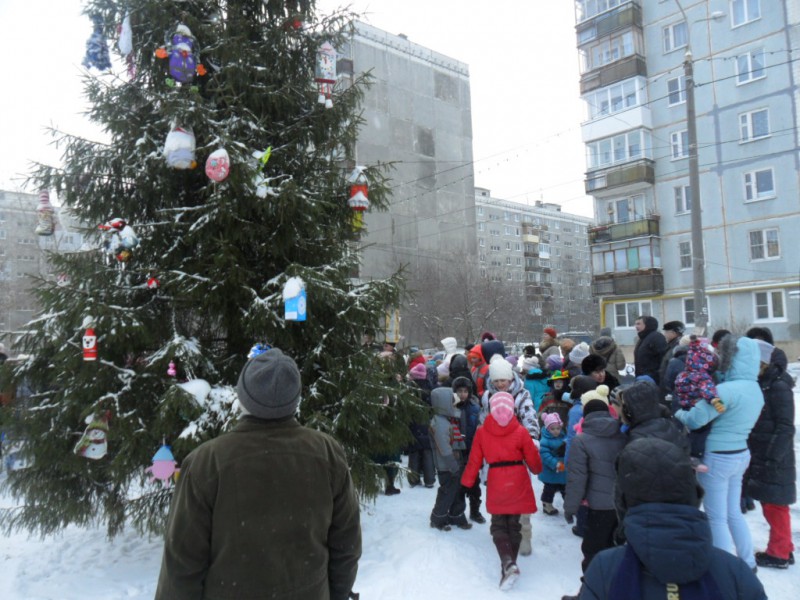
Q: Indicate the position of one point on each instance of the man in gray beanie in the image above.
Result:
(267, 510)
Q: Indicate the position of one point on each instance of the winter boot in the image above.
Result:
(525, 544)
(475, 515)
(509, 577)
(391, 490)
(508, 568)
(767, 560)
(549, 509)
(441, 526)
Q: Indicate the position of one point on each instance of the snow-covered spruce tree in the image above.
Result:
(216, 256)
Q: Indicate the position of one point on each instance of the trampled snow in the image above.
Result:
(404, 559)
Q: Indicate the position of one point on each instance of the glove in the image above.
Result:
(569, 517)
(560, 467)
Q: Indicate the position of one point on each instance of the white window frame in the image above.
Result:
(746, 129)
(752, 191)
(479, 210)
(689, 315)
(766, 299)
(684, 253)
(683, 199)
(643, 308)
(678, 95)
(679, 144)
(481, 242)
(764, 244)
(751, 66)
(747, 10)
(669, 37)
(481, 226)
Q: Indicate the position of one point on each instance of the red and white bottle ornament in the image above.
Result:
(294, 299)
(89, 344)
(45, 215)
(179, 148)
(218, 165)
(358, 199)
(325, 73)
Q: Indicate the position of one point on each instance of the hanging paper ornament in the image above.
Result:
(164, 466)
(258, 349)
(125, 43)
(183, 65)
(89, 345)
(179, 148)
(120, 239)
(294, 299)
(96, 47)
(171, 370)
(325, 73)
(94, 441)
(218, 165)
(45, 215)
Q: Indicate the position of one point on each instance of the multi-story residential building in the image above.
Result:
(23, 258)
(417, 116)
(747, 99)
(542, 253)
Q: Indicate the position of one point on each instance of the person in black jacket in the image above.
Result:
(650, 347)
(646, 417)
(772, 463)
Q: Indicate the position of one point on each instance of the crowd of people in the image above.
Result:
(705, 422)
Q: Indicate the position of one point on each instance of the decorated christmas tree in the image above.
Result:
(216, 222)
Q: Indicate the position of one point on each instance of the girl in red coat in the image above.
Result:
(508, 449)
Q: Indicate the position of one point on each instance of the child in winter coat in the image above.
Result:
(695, 383)
(449, 446)
(470, 408)
(554, 400)
(552, 447)
(509, 450)
(534, 378)
(420, 456)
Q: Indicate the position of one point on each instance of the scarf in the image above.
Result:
(627, 583)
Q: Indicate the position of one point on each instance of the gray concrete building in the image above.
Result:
(543, 254)
(417, 115)
(744, 55)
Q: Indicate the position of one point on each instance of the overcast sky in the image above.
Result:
(522, 60)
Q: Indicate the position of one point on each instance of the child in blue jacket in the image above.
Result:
(552, 447)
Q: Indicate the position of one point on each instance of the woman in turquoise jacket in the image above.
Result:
(726, 455)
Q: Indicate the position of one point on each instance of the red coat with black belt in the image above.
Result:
(512, 452)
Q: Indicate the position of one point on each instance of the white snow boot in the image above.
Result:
(525, 544)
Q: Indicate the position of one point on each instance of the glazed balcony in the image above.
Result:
(604, 23)
(641, 171)
(614, 232)
(629, 284)
(625, 68)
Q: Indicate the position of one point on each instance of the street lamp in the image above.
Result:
(698, 253)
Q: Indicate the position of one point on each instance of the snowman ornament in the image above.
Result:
(94, 441)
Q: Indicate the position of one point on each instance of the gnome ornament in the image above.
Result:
(94, 441)
(164, 466)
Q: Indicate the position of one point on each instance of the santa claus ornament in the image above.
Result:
(94, 441)
(89, 345)
(325, 73)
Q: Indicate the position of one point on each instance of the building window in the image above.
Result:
(679, 143)
(517, 246)
(519, 262)
(754, 125)
(626, 257)
(516, 217)
(764, 244)
(769, 305)
(506, 215)
(609, 49)
(480, 211)
(685, 254)
(481, 242)
(674, 36)
(676, 90)
(623, 210)
(482, 257)
(626, 313)
(744, 11)
(688, 310)
(508, 261)
(759, 185)
(618, 149)
(508, 245)
(683, 199)
(481, 226)
(615, 98)
(750, 66)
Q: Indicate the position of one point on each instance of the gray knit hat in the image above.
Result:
(269, 385)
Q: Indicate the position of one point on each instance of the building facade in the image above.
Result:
(636, 134)
(541, 254)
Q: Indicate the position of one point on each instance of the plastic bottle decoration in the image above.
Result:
(164, 466)
(179, 148)
(294, 299)
(120, 239)
(257, 349)
(218, 165)
(89, 345)
(96, 47)
(94, 441)
(45, 215)
(171, 370)
(183, 65)
(325, 73)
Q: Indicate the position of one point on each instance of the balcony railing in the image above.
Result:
(640, 171)
(628, 284)
(599, 25)
(614, 72)
(621, 231)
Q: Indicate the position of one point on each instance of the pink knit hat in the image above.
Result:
(502, 408)
(552, 419)
(418, 371)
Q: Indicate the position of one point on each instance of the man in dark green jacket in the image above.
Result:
(267, 510)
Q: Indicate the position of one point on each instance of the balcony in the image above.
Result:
(614, 232)
(630, 66)
(628, 284)
(641, 171)
(596, 26)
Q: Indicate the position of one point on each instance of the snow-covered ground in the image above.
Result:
(403, 558)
